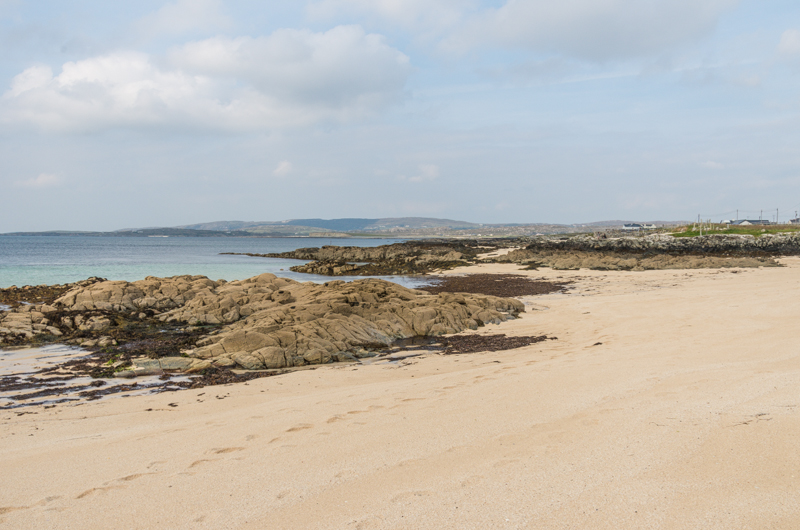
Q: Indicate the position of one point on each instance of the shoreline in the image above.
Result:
(650, 393)
(151, 349)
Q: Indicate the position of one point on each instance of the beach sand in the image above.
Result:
(670, 399)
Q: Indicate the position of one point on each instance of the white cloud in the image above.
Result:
(184, 16)
(595, 30)
(44, 180)
(790, 42)
(592, 29)
(283, 169)
(426, 172)
(337, 68)
(710, 164)
(289, 78)
(417, 15)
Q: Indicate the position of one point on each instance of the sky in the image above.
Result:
(153, 113)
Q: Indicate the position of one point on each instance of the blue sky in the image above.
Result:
(167, 113)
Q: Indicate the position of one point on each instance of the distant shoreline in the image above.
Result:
(171, 232)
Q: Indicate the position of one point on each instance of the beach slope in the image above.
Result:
(669, 400)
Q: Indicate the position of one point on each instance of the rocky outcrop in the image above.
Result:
(407, 251)
(270, 322)
(655, 252)
(619, 261)
(24, 323)
(714, 245)
(39, 294)
(415, 257)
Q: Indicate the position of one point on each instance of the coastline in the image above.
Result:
(654, 408)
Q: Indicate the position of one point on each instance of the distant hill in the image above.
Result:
(136, 232)
(402, 227)
(353, 224)
(356, 224)
(224, 225)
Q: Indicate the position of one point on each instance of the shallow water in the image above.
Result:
(35, 260)
(22, 382)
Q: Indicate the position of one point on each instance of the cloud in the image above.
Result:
(426, 172)
(335, 68)
(416, 15)
(790, 42)
(283, 169)
(287, 79)
(44, 180)
(182, 17)
(593, 30)
(710, 164)
(590, 29)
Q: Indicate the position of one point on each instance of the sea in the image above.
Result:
(36, 260)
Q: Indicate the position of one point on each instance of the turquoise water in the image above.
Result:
(35, 260)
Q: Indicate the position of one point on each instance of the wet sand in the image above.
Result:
(669, 400)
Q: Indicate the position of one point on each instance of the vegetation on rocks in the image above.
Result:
(750, 230)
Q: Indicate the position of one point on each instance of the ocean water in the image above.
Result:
(35, 260)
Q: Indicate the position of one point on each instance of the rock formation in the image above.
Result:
(265, 321)
(656, 251)
(412, 257)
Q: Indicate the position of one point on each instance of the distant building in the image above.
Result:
(795, 221)
(748, 222)
(637, 226)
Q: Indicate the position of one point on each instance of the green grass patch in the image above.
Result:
(752, 230)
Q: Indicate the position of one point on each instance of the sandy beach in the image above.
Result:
(669, 400)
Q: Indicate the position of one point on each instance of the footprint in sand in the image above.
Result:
(345, 473)
(286, 493)
(134, 476)
(198, 462)
(300, 427)
(505, 462)
(96, 490)
(224, 450)
(472, 481)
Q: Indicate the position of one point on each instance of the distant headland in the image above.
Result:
(393, 227)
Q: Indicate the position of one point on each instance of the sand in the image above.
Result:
(670, 400)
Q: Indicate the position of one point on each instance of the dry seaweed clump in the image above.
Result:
(267, 322)
(493, 284)
(39, 294)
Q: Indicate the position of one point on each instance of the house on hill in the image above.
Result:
(749, 222)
